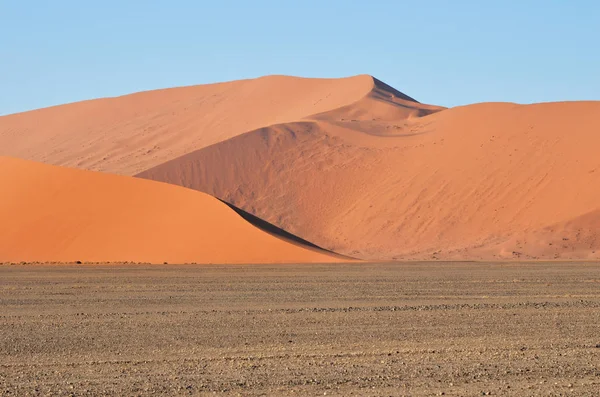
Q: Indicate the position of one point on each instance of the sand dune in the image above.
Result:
(132, 133)
(352, 165)
(53, 213)
(489, 181)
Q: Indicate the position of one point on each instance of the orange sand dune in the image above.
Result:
(53, 213)
(129, 134)
(352, 165)
(487, 181)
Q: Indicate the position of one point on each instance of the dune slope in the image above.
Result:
(352, 165)
(375, 180)
(129, 134)
(53, 213)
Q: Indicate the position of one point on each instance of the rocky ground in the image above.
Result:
(454, 329)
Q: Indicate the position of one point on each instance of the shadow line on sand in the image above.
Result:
(279, 232)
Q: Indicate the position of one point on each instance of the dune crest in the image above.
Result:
(131, 133)
(57, 214)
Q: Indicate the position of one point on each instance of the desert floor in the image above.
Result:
(451, 329)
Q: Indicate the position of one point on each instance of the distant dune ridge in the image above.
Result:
(351, 165)
(129, 134)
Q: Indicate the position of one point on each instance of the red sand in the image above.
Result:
(351, 165)
(488, 181)
(132, 133)
(57, 214)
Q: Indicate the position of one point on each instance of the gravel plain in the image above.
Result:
(393, 329)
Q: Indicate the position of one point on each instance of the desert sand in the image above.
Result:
(60, 214)
(486, 181)
(132, 133)
(351, 165)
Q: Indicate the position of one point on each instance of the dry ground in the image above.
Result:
(454, 329)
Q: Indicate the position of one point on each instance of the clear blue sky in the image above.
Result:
(442, 52)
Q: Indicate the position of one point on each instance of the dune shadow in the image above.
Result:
(388, 88)
(277, 231)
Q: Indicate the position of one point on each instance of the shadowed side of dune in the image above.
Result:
(381, 86)
(277, 231)
(383, 111)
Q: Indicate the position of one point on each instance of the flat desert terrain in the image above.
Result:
(454, 329)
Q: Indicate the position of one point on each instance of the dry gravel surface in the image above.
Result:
(403, 329)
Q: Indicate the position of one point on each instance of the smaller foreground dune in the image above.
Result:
(57, 214)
